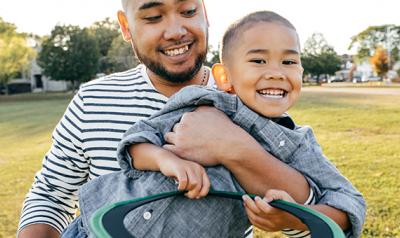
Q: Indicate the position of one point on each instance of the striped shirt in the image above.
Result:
(85, 142)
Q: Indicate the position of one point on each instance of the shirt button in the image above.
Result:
(281, 143)
(147, 215)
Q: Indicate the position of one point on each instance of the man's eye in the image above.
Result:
(258, 61)
(152, 18)
(289, 62)
(189, 13)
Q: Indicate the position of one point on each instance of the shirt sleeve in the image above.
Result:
(151, 131)
(330, 186)
(52, 199)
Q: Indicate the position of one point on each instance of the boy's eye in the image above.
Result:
(289, 62)
(258, 61)
(189, 13)
(154, 18)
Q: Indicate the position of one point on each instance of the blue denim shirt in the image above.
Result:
(215, 217)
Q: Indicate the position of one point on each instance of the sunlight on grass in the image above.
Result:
(359, 133)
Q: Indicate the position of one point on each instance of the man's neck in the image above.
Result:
(168, 88)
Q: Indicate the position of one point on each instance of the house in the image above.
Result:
(41, 83)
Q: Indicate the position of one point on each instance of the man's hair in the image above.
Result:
(233, 31)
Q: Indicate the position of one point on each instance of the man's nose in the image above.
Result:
(175, 30)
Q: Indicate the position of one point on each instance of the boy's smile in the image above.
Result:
(264, 68)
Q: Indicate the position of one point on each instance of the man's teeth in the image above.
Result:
(276, 93)
(176, 52)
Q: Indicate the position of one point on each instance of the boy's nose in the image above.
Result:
(274, 74)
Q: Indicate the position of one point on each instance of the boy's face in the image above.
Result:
(169, 36)
(264, 68)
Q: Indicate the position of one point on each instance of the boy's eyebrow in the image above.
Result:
(148, 5)
(266, 51)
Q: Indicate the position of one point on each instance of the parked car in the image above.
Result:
(374, 78)
(334, 79)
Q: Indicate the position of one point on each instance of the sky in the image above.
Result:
(337, 20)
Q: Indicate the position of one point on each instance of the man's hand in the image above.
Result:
(268, 218)
(206, 136)
(190, 175)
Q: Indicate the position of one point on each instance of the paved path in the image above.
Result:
(380, 91)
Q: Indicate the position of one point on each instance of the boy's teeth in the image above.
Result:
(176, 52)
(272, 92)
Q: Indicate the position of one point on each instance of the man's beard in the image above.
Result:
(160, 70)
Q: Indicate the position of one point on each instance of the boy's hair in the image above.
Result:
(233, 31)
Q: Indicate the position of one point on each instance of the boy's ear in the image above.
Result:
(123, 24)
(221, 78)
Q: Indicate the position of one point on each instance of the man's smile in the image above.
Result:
(176, 50)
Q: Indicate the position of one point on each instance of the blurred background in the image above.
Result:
(351, 93)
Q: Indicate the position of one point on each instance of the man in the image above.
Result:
(170, 38)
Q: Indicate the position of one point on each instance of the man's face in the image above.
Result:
(169, 36)
(264, 68)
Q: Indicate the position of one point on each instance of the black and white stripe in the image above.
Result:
(85, 142)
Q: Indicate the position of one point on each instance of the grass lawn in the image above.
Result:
(360, 133)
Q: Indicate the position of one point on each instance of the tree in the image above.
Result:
(70, 54)
(15, 54)
(120, 56)
(380, 61)
(319, 58)
(367, 41)
(105, 31)
(212, 56)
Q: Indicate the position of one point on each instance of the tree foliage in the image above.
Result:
(69, 54)
(212, 56)
(105, 31)
(319, 58)
(380, 61)
(15, 54)
(387, 36)
(120, 56)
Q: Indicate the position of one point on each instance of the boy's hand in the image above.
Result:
(190, 175)
(268, 218)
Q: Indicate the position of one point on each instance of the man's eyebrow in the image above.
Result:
(148, 5)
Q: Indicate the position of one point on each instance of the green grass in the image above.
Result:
(359, 133)
(26, 124)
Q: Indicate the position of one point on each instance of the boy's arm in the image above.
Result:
(190, 175)
(268, 218)
(258, 171)
(209, 137)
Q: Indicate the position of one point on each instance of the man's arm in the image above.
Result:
(39, 231)
(309, 161)
(51, 202)
(208, 136)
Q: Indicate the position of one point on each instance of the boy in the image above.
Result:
(261, 64)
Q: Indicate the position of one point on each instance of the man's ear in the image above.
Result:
(221, 78)
(123, 24)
